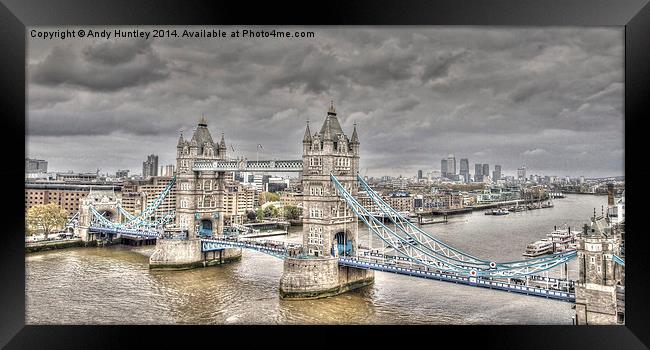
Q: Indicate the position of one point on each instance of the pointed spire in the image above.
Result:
(203, 121)
(222, 143)
(307, 137)
(331, 111)
(327, 135)
(355, 137)
(181, 141)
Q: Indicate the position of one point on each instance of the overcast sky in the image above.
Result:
(547, 98)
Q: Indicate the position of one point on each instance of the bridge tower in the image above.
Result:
(600, 293)
(199, 205)
(199, 194)
(105, 202)
(329, 226)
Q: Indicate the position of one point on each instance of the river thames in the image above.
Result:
(114, 285)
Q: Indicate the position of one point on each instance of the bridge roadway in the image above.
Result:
(131, 233)
(397, 265)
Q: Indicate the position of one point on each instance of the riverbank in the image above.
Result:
(500, 204)
(51, 245)
(36, 247)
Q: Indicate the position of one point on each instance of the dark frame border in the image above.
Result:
(15, 15)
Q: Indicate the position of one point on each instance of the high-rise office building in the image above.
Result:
(521, 173)
(496, 174)
(486, 170)
(122, 174)
(150, 166)
(35, 166)
(464, 169)
(451, 165)
(168, 170)
(478, 172)
(443, 168)
(419, 174)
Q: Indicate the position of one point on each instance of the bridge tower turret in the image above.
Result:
(199, 193)
(306, 140)
(329, 226)
(601, 282)
(199, 205)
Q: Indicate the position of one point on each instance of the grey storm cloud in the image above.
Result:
(439, 66)
(113, 53)
(105, 67)
(549, 98)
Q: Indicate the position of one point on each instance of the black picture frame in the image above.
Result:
(16, 15)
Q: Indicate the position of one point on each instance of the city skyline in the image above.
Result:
(547, 98)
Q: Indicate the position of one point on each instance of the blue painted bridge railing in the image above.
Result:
(471, 281)
(617, 259)
(272, 248)
(279, 250)
(125, 232)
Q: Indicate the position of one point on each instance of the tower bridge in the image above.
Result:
(329, 260)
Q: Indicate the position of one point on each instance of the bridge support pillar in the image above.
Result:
(313, 278)
(174, 254)
(82, 232)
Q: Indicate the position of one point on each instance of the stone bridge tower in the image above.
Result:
(600, 287)
(199, 194)
(105, 202)
(329, 226)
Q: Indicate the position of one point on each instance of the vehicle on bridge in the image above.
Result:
(408, 242)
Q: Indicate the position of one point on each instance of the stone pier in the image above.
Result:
(313, 278)
(173, 254)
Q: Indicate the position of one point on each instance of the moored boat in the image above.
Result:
(497, 212)
(538, 248)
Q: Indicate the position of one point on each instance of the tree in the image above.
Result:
(271, 211)
(260, 214)
(291, 212)
(268, 197)
(251, 215)
(48, 217)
